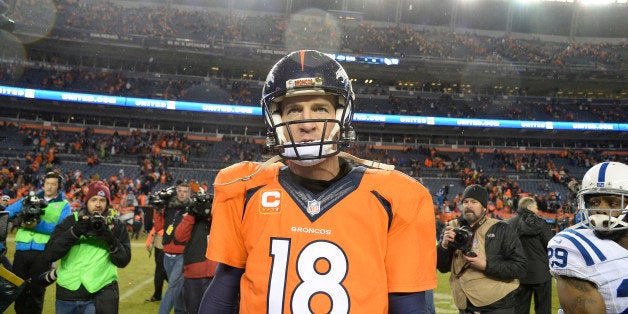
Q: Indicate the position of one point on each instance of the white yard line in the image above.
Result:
(135, 288)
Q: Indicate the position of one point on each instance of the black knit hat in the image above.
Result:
(477, 192)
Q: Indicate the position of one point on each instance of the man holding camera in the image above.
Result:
(198, 271)
(91, 247)
(484, 255)
(38, 215)
(167, 220)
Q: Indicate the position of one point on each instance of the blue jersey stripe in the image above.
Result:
(595, 249)
(601, 176)
(622, 291)
(587, 257)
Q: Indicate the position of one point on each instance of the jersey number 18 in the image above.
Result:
(313, 281)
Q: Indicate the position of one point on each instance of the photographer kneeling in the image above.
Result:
(484, 255)
(91, 246)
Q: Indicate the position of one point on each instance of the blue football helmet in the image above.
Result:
(308, 72)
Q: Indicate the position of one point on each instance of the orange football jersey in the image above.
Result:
(340, 251)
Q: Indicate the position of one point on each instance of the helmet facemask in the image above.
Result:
(314, 152)
(604, 219)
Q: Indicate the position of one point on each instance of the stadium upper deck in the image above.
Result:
(232, 36)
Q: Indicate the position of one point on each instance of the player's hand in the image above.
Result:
(477, 262)
(448, 237)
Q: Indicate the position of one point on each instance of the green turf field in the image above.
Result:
(444, 304)
(136, 285)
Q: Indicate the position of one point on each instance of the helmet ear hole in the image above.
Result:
(270, 140)
(349, 134)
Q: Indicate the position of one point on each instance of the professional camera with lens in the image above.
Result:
(32, 209)
(98, 224)
(167, 193)
(201, 205)
(161, 198)
(463, 240)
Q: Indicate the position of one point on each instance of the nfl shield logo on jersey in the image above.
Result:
(313, 207)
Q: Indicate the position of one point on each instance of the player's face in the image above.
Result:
(602, 205)
(472, 210)
(305, 108)
(183, 193)
(97, 204)
(602, 202)
(51, 187)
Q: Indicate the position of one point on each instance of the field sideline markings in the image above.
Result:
(136, 288)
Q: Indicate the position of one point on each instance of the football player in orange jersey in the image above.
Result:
(314, 233)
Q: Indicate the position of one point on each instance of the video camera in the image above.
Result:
(32, 209)
(463, 240)
(161, 198)
(201, 205)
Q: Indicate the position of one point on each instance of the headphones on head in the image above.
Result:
(59, 177)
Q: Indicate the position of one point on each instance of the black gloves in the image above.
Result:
(106, 235)
(47, 278)
(81, 227)
(96, 228)
(111, 240)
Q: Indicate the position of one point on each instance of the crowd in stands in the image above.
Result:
(493, 170)
(164, 21)
(554, 184)
(385, 100)
(207, 26)
(157, 153)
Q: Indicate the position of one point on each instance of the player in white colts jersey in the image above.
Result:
(590, 259)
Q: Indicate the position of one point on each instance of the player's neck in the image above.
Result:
(326, 170)
(623, 241)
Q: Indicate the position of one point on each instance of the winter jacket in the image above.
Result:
(36, 238)
(534, 234)
(87, 263)
(505, 263)
(194, 232)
